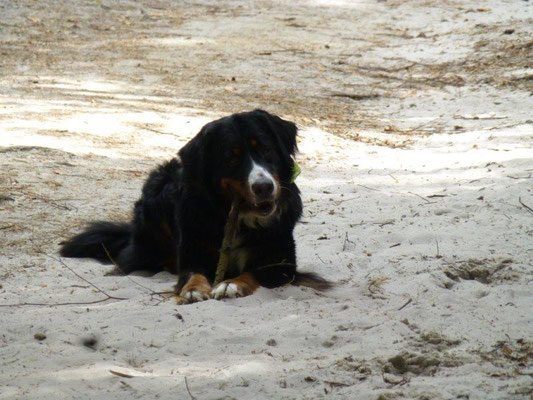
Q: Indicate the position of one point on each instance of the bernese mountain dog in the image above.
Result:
(179, 222)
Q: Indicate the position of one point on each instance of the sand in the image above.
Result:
(416, 152)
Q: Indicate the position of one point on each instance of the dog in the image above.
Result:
(178, 223)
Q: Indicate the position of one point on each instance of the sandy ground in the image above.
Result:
(416, 148)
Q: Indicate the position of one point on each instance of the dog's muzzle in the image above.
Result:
(264, 191)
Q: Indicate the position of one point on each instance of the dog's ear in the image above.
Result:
(192, 157)
(285, 131)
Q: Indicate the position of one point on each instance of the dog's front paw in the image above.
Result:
(227, 289)
(196, 294)
(196, 289)
(241, 286)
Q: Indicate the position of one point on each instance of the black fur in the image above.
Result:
(178, 223)
(99, 239)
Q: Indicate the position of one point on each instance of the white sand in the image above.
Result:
(429, 244)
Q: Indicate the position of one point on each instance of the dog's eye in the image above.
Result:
(267, 154)
(234, 161)
(234, 158)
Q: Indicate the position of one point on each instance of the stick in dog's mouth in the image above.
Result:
(265, 207)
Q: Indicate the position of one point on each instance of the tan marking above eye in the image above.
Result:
(236, 151)
(233, 184)
(253, 143)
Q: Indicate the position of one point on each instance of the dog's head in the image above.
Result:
(248, 155)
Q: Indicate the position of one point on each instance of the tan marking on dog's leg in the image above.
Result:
(244, 285)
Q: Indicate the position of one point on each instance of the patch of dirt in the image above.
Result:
(318, 65)
(359, 369)
(487, 271)
(518, 352)
(418, 364)
(427, 352)
(36, 182)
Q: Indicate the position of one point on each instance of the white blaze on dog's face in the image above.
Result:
(264, 190)
(262, 184)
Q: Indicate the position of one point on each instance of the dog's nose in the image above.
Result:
(263, 189)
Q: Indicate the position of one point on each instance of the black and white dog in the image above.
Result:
(178, 223)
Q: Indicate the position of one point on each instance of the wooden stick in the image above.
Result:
(75, 303)
(188, 391)
(121, 374)
(227, 243)
(525, 206)
(405, 304)
(86, 280)
(126, 275)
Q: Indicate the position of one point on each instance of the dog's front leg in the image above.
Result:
(197, 258)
